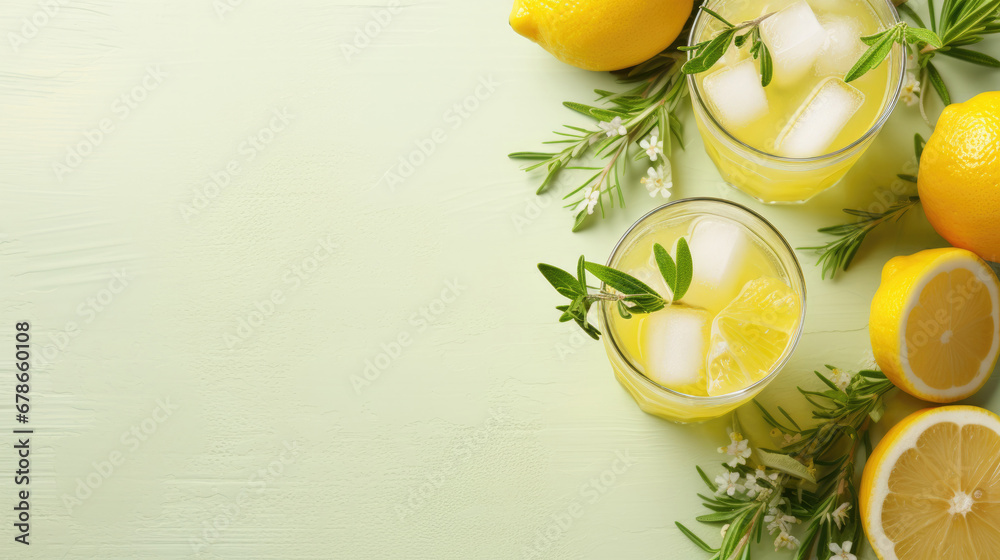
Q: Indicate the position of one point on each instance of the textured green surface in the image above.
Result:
(493, 424)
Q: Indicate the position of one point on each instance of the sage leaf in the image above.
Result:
(562, 281)
(685, 269)
(668, 269)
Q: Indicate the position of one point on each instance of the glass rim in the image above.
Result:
(789, 349)
(876, 126)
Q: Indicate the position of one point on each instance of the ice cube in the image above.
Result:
(794, 38)
(718, 250)
(842, 49)
(816, 124)
(736, 94)
(674, 345)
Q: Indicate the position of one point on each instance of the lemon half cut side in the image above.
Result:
(935, 323)
(931, 489)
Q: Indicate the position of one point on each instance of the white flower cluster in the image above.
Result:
(758, 484)
(738, 449)
(780, 522)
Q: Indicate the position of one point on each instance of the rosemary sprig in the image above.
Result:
(645, 112)
(631, 295)
(810, 479)
(961, 23)
(880, 45)
(840, 252)
(708, 52)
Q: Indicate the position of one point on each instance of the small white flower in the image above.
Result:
(778, 521)
(842, 552)
(785, 540)
(776, 433)
(653, 145)
(839, 515)
(615, 127)
(724, 529)
(738, 448)
(591, 197)
(728, 483)
(911, 90)
(659, 181)
(754, 488)
(840, 378)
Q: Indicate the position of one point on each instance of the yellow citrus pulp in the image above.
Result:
(931, 489)
(935, 323)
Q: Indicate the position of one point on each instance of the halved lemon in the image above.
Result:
(931, 489)
(751, 334)
(935, 323)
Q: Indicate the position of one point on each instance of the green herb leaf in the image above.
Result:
(581, 273)
(716, 16)
(972, 56)
(694, 538)
(562, 281)
(685, 269)
(710, 54)
(880, 47)
(920, 35)
(620, 281)
(668, 269)
(839, 253)
(939, 86)
(766, 66)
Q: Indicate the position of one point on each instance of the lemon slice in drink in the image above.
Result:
(931, 489)
(935, 323)
(750, 334)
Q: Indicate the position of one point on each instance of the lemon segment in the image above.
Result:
(931, 488)
(751, 334)
(935, 323)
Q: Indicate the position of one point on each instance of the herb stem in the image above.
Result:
(753, 22)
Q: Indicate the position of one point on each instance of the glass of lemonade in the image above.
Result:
(799, 135)
(732, 331)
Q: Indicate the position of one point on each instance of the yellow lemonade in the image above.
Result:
(799, 135)
(728, 334)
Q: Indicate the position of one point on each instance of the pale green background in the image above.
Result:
(466, 215)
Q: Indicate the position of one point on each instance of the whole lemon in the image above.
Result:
(601, 34)
(959, 177)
